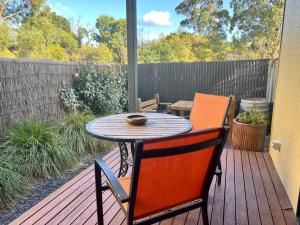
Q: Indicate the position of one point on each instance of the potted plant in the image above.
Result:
(249, 131)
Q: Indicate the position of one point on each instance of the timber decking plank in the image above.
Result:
(252, 206)
(85, 215)
(180, 219)
(274, 204)
(66, 209)
(261, 198)
(229, 207)
(219, 195)
(167, 221)
(281, 193)
(59, 203)
(193, 217)
(241, 206)
(250, 190)
(66, 187)
(118, 219)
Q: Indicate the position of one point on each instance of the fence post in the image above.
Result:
(272, 77)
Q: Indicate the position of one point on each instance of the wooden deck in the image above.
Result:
(251, 193)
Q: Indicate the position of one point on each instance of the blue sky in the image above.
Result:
(154, 16)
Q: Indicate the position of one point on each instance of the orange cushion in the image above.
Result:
(208, 111)
(125, 183)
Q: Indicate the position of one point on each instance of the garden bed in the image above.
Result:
(42, 189)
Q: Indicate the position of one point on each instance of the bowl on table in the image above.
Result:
(136, 120)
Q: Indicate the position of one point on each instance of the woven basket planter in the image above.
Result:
(248, 137)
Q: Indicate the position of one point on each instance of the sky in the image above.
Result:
(154, 17)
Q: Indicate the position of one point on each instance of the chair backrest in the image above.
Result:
(172, 171)
(209, 111)
(150, 105)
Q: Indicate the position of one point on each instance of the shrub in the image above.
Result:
(251, 117)
(69, 98)
(74, 135)
(98, 89)
(12, 185)
(36, 150)
(123, 80)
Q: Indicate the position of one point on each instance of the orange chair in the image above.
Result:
(210, 111)
(170, 176)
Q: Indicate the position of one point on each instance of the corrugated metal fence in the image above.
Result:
(180, 81)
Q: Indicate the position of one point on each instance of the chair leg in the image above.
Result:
(219, 172)
(99, 195)
(205, 215)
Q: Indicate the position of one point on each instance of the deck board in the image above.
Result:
(250, 193)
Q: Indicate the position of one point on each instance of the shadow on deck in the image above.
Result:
(251, 193)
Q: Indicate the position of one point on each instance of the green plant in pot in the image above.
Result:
(249, 131)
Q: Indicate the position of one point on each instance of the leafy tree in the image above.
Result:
(60, 22)
(79, 31)
(15, 11)
(183, 47)
(7, 38)
(99, 54)
(205, 17)
(44, 37)
(112, 32)
(257, 26)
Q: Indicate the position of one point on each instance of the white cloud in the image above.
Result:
(157, 18)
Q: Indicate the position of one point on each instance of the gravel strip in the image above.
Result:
(42, 189)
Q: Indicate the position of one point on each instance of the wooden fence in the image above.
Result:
(180, 81)
(31, 88)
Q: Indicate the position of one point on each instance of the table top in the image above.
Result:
(116, 128)
(182, 105)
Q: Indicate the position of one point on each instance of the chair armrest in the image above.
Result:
(165, 103)
(116, 186)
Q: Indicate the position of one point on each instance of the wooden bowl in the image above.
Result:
(136, 120)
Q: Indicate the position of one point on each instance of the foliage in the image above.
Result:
(35, 149)
(183, 47)
(100, 54)
(112, 32)
(257, 25)
(98, 89)
(30, 29)
(15, 11)
(74, 135)
(207, 18)
(251, 117)
(123, 82)
(12, 185)
(69, 99)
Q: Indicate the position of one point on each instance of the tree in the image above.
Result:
(112, 32)
(205, 17)
(257, 26)
(80, 32)
(15, 11)
(60, 22)
(179, 47)
(42, 37)
(100, 54)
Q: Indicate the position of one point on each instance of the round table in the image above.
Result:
(115, 128)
